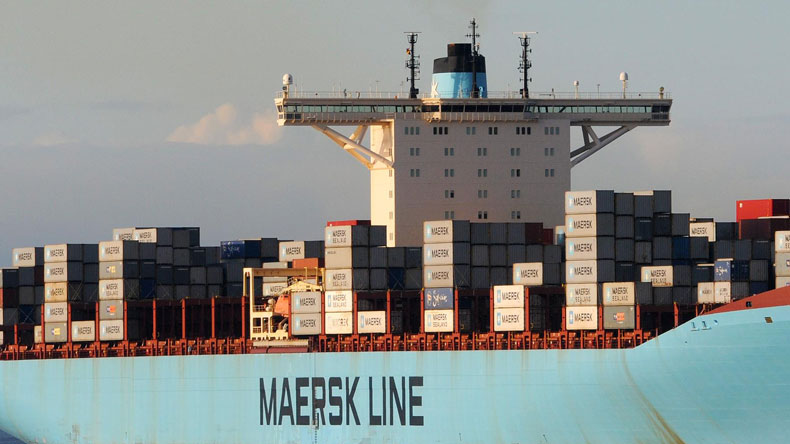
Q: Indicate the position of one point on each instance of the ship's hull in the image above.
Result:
(724, 381)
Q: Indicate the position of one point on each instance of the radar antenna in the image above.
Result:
(413, 64)
(525, 63)
(475, 46)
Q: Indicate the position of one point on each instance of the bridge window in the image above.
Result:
(471, 130)
(514, 152)
(449, 194)
(482, 172)
(449, 151)
(482, 214)
(482, 152)
(515, 214)
(449, 172)
(414, 172)
(449, 214)
(482, 194)
(414, 152)
(493, 130)
(515, 194)
(515, 172)
(549, 172)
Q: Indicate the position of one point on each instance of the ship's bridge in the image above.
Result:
(625, 111)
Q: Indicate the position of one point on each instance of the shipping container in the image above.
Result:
(782, 281)
(240, 249)
(119, 270)
(624, 227)
(158, 236)
(497, 231)
(659, 276)
(509, 296)
(83, 331)
(481, 277)
(439, 298)
(722, 292)
(347, 279)
(624, 204)
(346, 236)
(110, 309)
(56, 312)
(478, 233)
(396, 257)
(306, 324)
(589, 248)
(56, 332)
(443, 231)
(782, 242)
(522, 253)
(306, 302)
(446, 253)
(589, 202)
(371, 322)
(339, 323)
(123, 234)
(9, 278)
(377, 257)
(581, 294)
(27, 257)
(706, 293)
(619, 293)
(753, 209)
(9, 297)
(186, 237)
(111, 330)
(436, 276)
(479, 255)
(589, 272)
(497, 255)
(439, 321)
(118, 289)
(346, 257)
(110, 251)
(509, 319)
(63, 253)
(782, 264)
(581, 318)
(9, 316)
(336, 301)
(619, 318)
(63, 272)
(413, 278)
(703, 229)
(300, 250)
(588, 225)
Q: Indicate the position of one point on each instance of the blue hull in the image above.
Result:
(724, 383)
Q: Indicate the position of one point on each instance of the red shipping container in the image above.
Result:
(340, 223)
(533, 232)
(9, 298)
(308, 262)
(754, 209)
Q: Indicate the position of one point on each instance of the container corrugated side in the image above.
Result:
(439, 298)
(442, 231)
(56, 312)
(339, 323)
(706, 293)
(111, 330)
(659, 276)
(306, 302)
(83, 331)
(346, 236)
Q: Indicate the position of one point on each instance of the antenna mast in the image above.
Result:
(525, 63)
(413, 64)
(474, 35)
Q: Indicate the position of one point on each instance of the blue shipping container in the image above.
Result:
(240, 249)
(439, 298)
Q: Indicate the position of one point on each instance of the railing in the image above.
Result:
(539, 95)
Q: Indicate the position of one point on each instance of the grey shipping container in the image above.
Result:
(742, 250)
(378, 236)
(481, 277)
(147, 252)
(759, 270)
(644, 293)
(500, 276)
(680, 224)
(377, 256)
(197, 275)
(624, 227)
(164, 255)
(119, 269)
(662, 295)
(516, 233)
(9, 277)
(480, 255)
(643, 206)
(346, 257)
(181, 257)
(378, 278)
(552, 254)
(518, 253)
(497, 255)
(396, 257)
(662, 248)
(662, 201)
(186, 237)
(624, 250)
(56, 332)
(479, 233)
(684, 295)
(413, 257)
(497, 232)
(413, 278)
(624, 204)
(643, 252)
(534, 254)
(90, 273)
(619, 318)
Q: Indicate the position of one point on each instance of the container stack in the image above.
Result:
(446, 267)
(589, 253)
(30, 263)
(782, 258)
(71, 274)
(9, 302)
(236, 255)
(509, 308)
(119, 280)
(619, 300)
(306, 313)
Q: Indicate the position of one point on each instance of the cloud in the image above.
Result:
(224, 127)
(53, 139)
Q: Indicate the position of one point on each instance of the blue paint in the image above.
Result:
(718, 378)
(454, 85)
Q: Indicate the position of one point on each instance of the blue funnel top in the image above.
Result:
(452, 75)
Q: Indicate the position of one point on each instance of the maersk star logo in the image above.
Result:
(570, 317)
(518, 275)
(570, 248)
(570, 225)
(428, 231)
(571, 271)
(498, 296)
(570, 202)
(499, 319)
(647, 276)
(608, 295)
(428, 275)
(362, 321)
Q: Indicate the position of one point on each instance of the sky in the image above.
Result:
(117, 114)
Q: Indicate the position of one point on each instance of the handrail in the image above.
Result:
(547, 95)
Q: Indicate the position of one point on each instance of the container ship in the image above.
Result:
(482, 302)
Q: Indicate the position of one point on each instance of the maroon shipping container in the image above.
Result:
(754, 209)
(533, 233)
(763, 229)
(340, 223)
(548, 236)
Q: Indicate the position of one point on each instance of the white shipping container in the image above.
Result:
(145, 235)
(782, 242)
(2, 339)
(24, 257)
(56, 332)
(273, 288)
(580, 225)
(341, 300)
(60, 253)
(508, 296)
(56, 312)
(439, 321)
(346, 236)
(342, 279)
(509, 319)
(122, 234)
(438, 254)
(581, 318)
(528, 273)
(346, 257)
(291, 250)
(782, 281)
(581, 248)
(703, 229)
(62, 271)
(83, 331)
(371, 322)
(441, 276)
(659, 276)
(581, 294)
(56, 292)
(442, 231)
(110, 251)
(706, 293)
(306, 324)
(619, 293)
(723, 292)
(109, 310)
(115, 289)
(782, 264)
(341, 323)
(38, 335)
(111, 330)
(581, 272)
(306, 302)
(580, 202)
